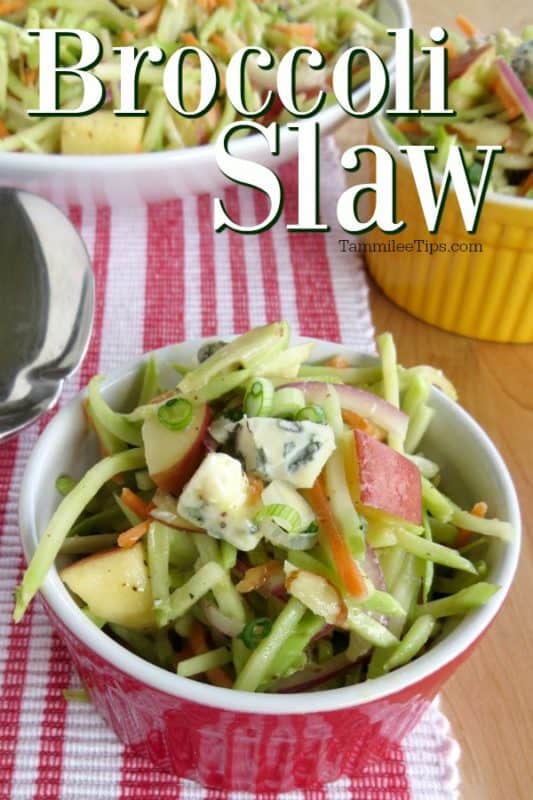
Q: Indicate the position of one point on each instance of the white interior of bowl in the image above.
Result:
(471, 468)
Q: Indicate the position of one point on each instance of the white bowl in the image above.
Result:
(132, 179)
(472, 469)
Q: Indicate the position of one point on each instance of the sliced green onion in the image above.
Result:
(258, 398)
(175, 414)
(285, 516)
(287, 402)
(65, 484)
(290, 541)
(204, 662)
(255, 631)
(313, 413)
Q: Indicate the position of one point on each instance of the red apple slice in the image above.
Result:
(173, 456)
(388, 482)
(115, 585)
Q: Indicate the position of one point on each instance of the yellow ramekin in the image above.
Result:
(486, 295)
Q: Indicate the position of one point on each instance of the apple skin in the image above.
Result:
(388, 482)
(115, 584)
(172, 457)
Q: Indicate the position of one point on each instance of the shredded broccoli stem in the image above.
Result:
(256, 668)
(220, 29)
(272, 634)
(64, 517)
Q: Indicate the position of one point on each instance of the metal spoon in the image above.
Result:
(46, 306)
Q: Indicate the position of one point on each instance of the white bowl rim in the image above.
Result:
(457, 642)
(141, 162)
(378, 128)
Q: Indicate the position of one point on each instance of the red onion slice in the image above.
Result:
(363, 403)
(227, 626)
(373, 569)
(516, 88)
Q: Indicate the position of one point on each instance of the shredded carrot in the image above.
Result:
(347, 568)
(256, 487)
(463, 536)
(306, 30)
(198, 642)
(10, 6)
(410, 127)
(354, 421)
(190, 39)
(525, 186)
(221, 43)
(126, 37)
(337, 362)
(150, 19)
(506, 98)
(3, 130)
(29, 76)
(452, 50)
(469, 30)
(130, 537)
(136, 503)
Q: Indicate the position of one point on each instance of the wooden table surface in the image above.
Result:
(489, 702)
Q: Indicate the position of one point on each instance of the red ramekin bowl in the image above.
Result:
(239, 741)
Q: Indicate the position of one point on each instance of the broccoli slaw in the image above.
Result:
(270, 525)
(490, 87)
(220, 27)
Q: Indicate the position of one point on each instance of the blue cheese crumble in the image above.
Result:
(281, 449)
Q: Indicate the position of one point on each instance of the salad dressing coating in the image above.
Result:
(270, 565)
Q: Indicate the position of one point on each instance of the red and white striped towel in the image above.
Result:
(163, 276)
